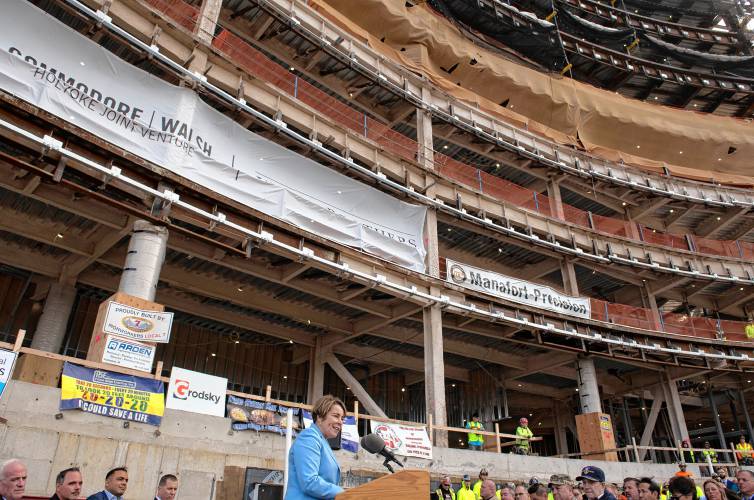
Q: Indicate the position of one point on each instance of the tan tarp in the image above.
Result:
(689, 144)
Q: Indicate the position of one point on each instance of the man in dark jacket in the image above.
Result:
(68, 484)
(167, 488)
(116, 482)
(593, 483)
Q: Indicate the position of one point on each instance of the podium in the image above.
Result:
(405, 484)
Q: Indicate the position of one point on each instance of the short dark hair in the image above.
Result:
(682, 485)
(750, 473)
(60, 478)
(167, 477)
(653, 486)
(631, 479)
(113, 471)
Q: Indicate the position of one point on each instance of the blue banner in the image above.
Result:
(111, 394)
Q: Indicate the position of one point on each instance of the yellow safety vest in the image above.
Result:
(749, 330)
(744, 449)
(524, 432)
(477, 488)
(475, 438)
(440, 496)
(712, 454)
(466, 494)
(499, 494)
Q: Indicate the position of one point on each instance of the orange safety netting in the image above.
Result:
(261, 66)
(717, 247)
(664, 239)
(683, 324)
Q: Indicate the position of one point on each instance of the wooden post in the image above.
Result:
(636, 450)
(680, 452)
(356, 410)
(497, 438)
(158, 370)
(19, 340)
(429, 425)
(735, 457)
(268, 394)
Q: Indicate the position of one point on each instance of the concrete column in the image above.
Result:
(316, 372)
(434, 371)
(568, 272)
(556, 200)
(425, 154)
(434, 364)
(146, 253)
(53, 322)
(675, 410)
(207, 22)
(589, 392)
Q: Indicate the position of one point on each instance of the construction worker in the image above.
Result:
(465, 492)
(523, 431)
(708, 454)
(476, 441)
(445, 491)
(749, 329)
(744, 452)
(483, 474)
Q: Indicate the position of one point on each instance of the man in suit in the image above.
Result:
(68, 484)
(12, 479)
(116, 482)
(167, 488)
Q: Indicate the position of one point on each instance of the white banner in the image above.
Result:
(196, 392)
(137, 324)
(72, 77)
(128, 353)
(7, 361)
(406, 440)
(516, 290)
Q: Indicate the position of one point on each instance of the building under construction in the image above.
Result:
(514, 208)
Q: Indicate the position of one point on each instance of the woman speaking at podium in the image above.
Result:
(313, 472)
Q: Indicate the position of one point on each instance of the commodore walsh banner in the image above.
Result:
(516, 290)
(70, 76)
(111, 394)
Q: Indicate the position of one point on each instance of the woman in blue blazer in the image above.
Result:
(313, 472)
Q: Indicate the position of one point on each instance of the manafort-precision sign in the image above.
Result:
(137, 324)
(515, 290)
(79, 81)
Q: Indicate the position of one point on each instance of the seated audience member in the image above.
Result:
(68, 484)
(116, 483)
(12, 479)
(167, 488)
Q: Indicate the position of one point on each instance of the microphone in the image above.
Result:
(374, 444)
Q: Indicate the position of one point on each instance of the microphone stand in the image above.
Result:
(387, 465)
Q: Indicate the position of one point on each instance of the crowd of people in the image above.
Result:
(591, 485)
(69, 484)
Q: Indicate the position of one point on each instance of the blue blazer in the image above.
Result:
(100, 495)
(313, 472)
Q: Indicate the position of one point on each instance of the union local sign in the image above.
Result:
(516, 290)
(137, 324)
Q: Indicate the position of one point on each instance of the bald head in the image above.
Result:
(13, 479)
(488, 489)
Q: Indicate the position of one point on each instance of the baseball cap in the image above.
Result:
(592, 474)
(466, 477)
(558, 479)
